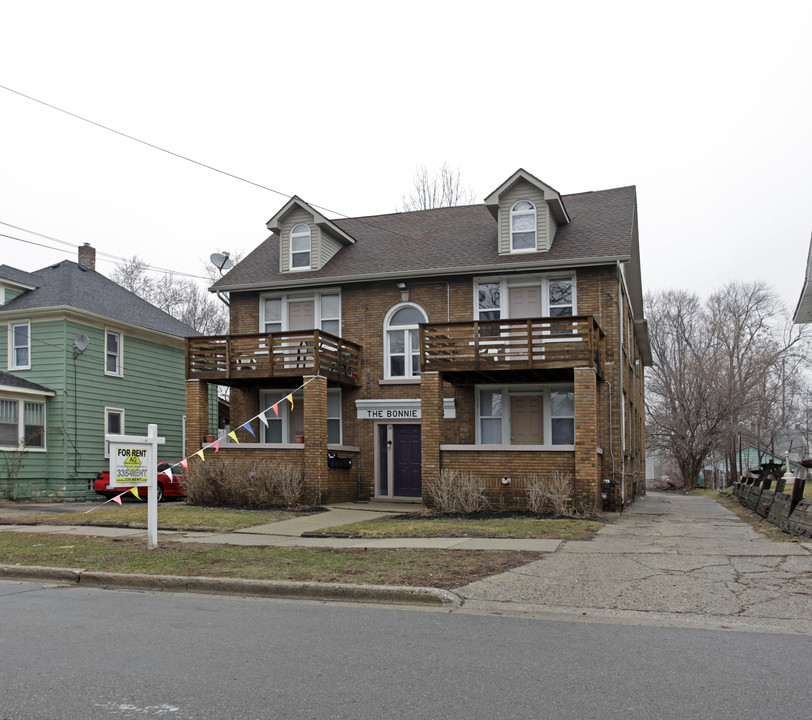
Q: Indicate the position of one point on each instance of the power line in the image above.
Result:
(106, 257)
(197, 162)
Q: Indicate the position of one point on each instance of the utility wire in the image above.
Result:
(197, 162)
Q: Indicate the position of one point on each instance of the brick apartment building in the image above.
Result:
(506, 339)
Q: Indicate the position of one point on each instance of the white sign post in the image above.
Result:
(134, 463)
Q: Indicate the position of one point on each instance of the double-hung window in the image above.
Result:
(113, 425)
(20, 346)
(402, 341)
(112, 353)
(22, 424)
(300, 247)
(526, 415)
(494, 297)
(523, 227)
(324, 312)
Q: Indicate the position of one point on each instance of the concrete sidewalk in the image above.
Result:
(670, 559)
(288, 533)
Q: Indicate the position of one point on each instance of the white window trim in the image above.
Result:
(336, 391)
(120, 369)
(293, 297)
(107, 411)
(510, 390)
(267, 398)
(387, 374)
(12, 355)
(291, 252)
(21, 447)
(542, 281)
(534, 213)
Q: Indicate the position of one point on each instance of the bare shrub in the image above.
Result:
(244, 482)
(456, 491)
(551, 494)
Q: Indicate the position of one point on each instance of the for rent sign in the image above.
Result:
(130, 464)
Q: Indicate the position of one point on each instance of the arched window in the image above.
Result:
(523, 226)
(402, 341)
(300, 247)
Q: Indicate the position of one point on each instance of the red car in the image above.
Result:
(173, 486)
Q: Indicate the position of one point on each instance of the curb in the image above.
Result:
(345, 592)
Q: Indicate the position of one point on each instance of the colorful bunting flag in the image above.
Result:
(263, 419)
(216, 445)
(134, 491)
(168, 473)
(289, 398)
(275, 408)
(200, 454)
(117, 499)
(185, 464)
(247, 426)
(233, 436)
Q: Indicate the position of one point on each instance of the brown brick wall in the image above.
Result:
(197, 415)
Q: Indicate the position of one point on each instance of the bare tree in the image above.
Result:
(442, 188)
(181, 297)
(717, 369)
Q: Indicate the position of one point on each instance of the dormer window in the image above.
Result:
(300, 247)
(523, 226)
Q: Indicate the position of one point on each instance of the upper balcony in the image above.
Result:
(515, 350)
(272, 359)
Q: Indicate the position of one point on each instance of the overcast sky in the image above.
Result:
(705, 106)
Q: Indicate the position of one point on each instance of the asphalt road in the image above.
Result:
(79, 653)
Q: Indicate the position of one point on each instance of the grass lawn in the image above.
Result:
(171, 516)
(426, 568)
(731, 502)
(493, 527)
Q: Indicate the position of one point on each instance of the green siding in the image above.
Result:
(151, 389)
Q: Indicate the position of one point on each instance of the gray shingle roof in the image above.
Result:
(66, 284)
(13, 381)
(451, 240)
(19, 276)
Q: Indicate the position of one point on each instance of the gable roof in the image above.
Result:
(17, 277)
(551, 195)
(296, 202)
(452, 240)
(12, 381)
(68, 285)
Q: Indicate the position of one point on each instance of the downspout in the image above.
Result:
(620, 383)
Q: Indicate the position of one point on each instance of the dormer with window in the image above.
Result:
(528, 213)
(307, 239)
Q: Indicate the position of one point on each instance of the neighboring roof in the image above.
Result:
(18, 277)
(803, 311)
(9, 380)
(451, 240)
(67, 284)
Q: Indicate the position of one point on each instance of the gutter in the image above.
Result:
(427, 273)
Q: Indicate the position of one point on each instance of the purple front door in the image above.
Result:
(407, 470)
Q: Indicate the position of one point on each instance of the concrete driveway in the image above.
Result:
(668, 560)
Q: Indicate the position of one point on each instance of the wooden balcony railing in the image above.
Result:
(522, 344)
(248, 359)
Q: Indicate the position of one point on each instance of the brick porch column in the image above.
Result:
(197, 415)
(587, 467)
(431, 411)
(315, 432)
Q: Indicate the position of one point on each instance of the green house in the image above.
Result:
(81, 356)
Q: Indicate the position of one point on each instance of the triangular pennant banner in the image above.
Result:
(200, 454)
(168, 473)
(263, 419)
(185, 464)
(216, 446)
(233, 436)
(275, 408)
(247, 426)
(117, 499)
(134, 491)
(289, 398)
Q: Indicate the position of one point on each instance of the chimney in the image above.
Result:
(87, 257)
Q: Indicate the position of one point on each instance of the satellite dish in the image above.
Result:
(221, 261)
(80, 342)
